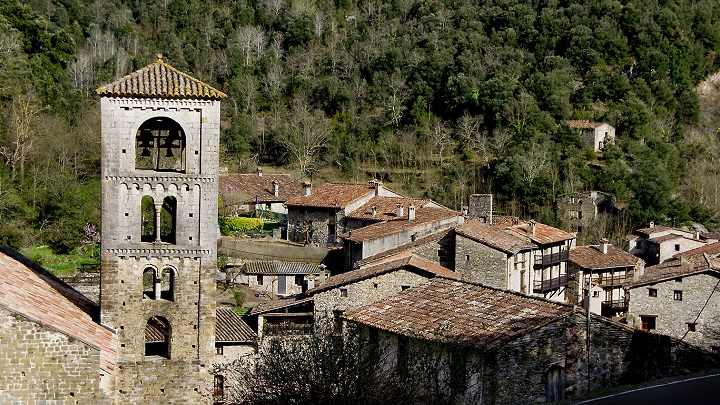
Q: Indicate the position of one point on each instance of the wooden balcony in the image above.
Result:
(615, 280)
(543, 286)
(551, 259)
(615, 305)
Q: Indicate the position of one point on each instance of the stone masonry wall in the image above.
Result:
(479, 263)
(700, 304)
(315, 223)
(41, 365)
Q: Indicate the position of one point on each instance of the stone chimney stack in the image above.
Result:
(399, 211)
(307, 189)
(652, 224)
(276, 188)
(697, 234)
(259, 172)
(411, 212)
(604, 245)
(465, 210)
(378, 186)
(531, 227)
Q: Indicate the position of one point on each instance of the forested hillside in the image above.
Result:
(437, 98)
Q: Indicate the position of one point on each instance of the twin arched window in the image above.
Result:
(159, 286)
(158, 221)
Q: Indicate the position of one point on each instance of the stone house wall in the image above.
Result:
(480, 263)
(385, 243)
(270, 284)
(316, 223)
(441, 251)
(700, 304)
(361, 293)
(670, 248)
(42, 365)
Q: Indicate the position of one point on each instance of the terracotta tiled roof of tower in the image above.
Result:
(160, 80)
(454, 311)
(34, 293)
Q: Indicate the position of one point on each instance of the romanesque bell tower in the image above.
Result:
(160, 131)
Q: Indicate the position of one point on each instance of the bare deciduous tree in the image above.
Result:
(20, 138)
(252, 40)
(533, 162)
(304, 135)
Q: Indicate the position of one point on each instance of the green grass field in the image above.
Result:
(59, 265)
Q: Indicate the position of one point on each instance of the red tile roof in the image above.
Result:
(544, 234)
(703, 256)
(665, 238)
(247, 186)
(404, 260)
(275, 268)
(229, 327)
(505, 241)
(332, 195)
(423, 216)
(592, 257)
(386, 208)
(585, 124)
(660, 228)
(669, 270)
(453, 311)
(160, 80)
(34, 293)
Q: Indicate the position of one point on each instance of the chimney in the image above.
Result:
(399, 210)
(377, 184)
(531, 227)
(307, 189)
(374, 210)
(259, 172)
(652, 224)
(697, 234)
(604, 245)
(465, 210)
(276, 188)
(411, 212)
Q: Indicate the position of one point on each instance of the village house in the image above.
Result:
(53, 349)
(468, 343)
(385, 223)
(438, 247)
(234, 340)
(281, 278)
(494, 257)
(369, 284)
(580, 210)
(246, 193)
(289, 317)
(595, 135)
(318, 215)
(604, 270)
(680, 298)
(658, 243)
(549, 261)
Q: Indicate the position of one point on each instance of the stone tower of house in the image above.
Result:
(160, 139)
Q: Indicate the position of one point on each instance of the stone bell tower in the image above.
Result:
(160, 131)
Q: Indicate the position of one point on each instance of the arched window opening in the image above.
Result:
(160, 146)
(147, 221)
(157, 337)
(150, 282)
(219, 388)
(168, 284)
(168, 220)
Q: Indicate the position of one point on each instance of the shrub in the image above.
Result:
(235, 226)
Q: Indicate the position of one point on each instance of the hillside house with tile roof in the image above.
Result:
(494, 257)
(469, 343)
(160, 132)
(369, 284)
(53, 347)
(385, 223)
(318, 215)
(658, 243)
(680, 298)
(282, 278)
(595, 135)
(604, 270)
(549, 261)
(244, 193)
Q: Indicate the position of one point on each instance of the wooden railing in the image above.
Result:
(551, 259)
(543, 286)
(616, 305)
(615, 280)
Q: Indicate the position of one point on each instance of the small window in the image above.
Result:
(677, 248)
(259, 279)
(652, 292)
(596, 294)
(343, 292)
(678, 280)
(467, 258)
(404, 287)
(219, 350)
(299, 280)
(648, 322)
(691, 326)
(677, 295)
